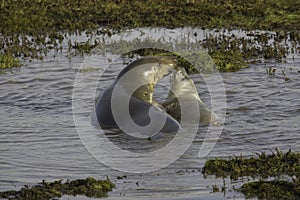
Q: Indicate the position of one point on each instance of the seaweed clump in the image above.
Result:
(275, 189)
(274, 165)
(8, 61)
(277, 165)
(89, 187)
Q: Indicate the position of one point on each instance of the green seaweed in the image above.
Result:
(278, 165)
(8, 61)
(228, 61)
(89, 187)
(275, 165)
(273, 190)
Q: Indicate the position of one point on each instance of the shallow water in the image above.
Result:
(39, 140)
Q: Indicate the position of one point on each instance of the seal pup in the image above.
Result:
(183, 87)
(147, 70)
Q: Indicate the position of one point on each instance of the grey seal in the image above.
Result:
(183, 87)
(141, 100)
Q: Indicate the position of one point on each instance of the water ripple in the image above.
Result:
(38, 139)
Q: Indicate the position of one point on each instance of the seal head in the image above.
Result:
(183, 87)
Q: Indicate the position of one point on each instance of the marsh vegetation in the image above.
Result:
(30, 29)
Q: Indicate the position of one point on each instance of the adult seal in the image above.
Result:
(136, 82)
(183, 87)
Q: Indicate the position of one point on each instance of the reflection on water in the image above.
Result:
(39, 139)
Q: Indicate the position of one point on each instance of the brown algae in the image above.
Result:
(89, 187)
(273, 190)
(275, 165)
(278, 165)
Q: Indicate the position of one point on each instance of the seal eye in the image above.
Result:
(184, 78)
